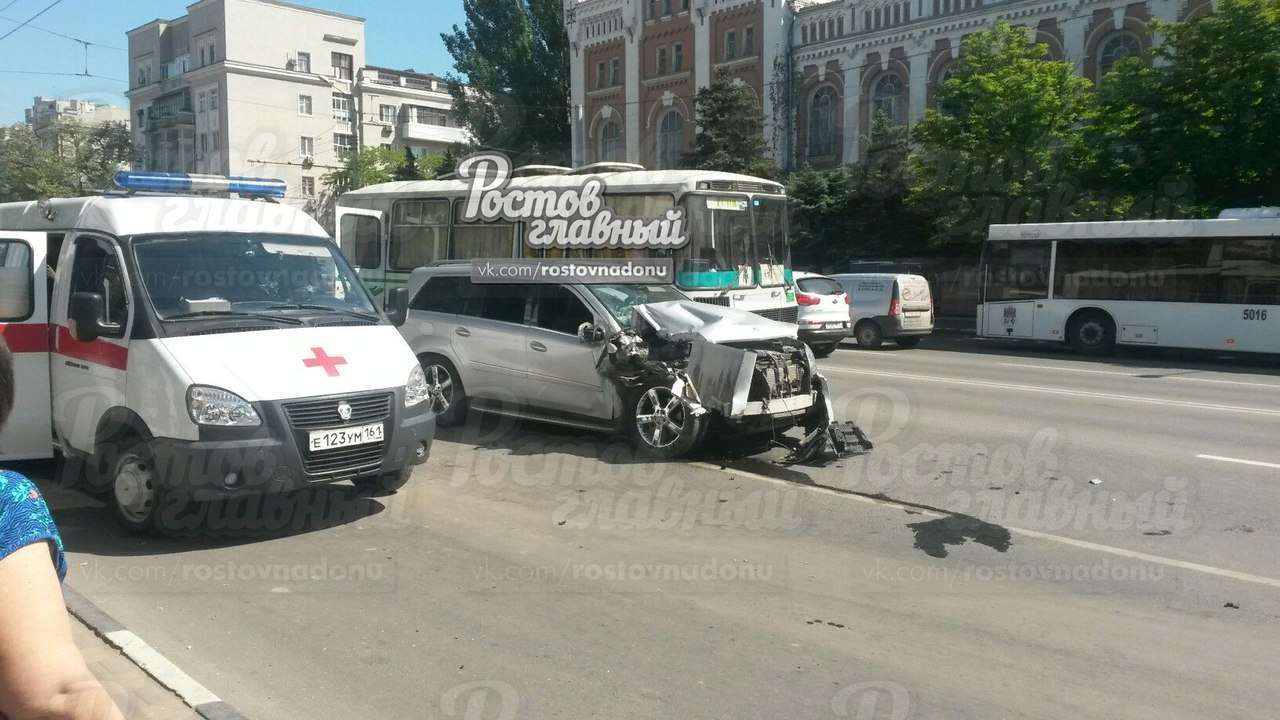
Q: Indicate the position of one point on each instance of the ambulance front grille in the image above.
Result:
(318, 414)
(344, 460)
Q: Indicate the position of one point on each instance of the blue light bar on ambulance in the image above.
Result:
(138, 181)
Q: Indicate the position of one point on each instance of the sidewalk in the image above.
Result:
(136, 693)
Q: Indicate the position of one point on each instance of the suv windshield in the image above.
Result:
(204, 275)
(620, 300)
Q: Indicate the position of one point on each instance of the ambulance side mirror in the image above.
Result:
(590, 334)
(85, 313)
(397, 306)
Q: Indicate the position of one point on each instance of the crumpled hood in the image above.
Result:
(712, 322)
(284, 364)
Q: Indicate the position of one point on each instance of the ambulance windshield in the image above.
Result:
(207, 275)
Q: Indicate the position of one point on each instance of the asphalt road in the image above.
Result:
(1035, 536)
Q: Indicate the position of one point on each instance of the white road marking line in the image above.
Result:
(1183, 378)
(1062, 391)
(160, 668)
(1238, 461)
(1082, 544)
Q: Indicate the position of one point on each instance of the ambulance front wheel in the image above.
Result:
(134, 492)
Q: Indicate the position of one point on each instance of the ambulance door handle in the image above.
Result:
(462, 332)
(537, 346)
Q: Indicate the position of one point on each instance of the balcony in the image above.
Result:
(173, 119)
(410, 129)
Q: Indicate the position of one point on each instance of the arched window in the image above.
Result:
(1115, 48)
(670, 140)
(610, 142)
(889, 96)
(822, 123)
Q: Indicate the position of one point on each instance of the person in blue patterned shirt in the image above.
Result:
(42, 673)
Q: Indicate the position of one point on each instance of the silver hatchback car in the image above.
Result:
(639, 359)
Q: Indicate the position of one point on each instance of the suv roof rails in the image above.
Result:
(606, 167)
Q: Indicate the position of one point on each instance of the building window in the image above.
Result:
(888, 96)
(611, 142)
(304, 105)
(387, 113)
(200, 102)
(308, 186)
(303, 64)
(213, 99)
(1115, 48)
(307, 147)
(822, 123)
(662, 60)
(731, 45)
(804, 34)
(204, 143)
(615, 72)
(677, 57)
(666, 7)
(342, 108)
(343, 66)
(600, 77)
(342, 145)
(214, 141)
(749, 42)
(840, 26)
(670, 140)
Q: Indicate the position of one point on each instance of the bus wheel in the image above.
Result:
(868, 335)
(448, 399)
(1092, 332)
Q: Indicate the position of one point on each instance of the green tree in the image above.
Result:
(409, 167)
(369, 166)
(510, 84)
(65, 160)
(1006, 142)
(1193, 127)
(862, 210)
(730, 131)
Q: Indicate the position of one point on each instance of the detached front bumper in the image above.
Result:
(273, 458)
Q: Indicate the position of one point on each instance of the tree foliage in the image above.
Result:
(730, 131)
(510, 83)
(1006, 142)
(375, 165)
(1194, 129)
(65, 160)
(858, 211)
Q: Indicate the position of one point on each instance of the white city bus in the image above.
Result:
(1208, 284)
(738, 253)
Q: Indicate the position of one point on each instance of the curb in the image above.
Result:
(158, 667)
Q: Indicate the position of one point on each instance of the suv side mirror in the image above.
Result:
(85, 313)
(590, 334)
(397, 305)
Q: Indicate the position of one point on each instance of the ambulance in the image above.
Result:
(174, 346)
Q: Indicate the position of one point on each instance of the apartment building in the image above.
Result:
(820, 70)
(46, 113)
(271, 88)
(405, 109)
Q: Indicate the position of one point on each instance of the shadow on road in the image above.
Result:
(86, 525)
(934, 536)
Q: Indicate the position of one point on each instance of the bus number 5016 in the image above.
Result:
(1251, 314)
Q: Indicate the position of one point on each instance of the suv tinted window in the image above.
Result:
(504, 303)
(560, 310)
(443, 294)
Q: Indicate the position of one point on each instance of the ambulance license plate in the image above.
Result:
(346, 437)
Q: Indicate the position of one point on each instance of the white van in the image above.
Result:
(888, 306)
(182, 347)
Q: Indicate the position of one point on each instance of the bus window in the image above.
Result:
(719, 251)
(1017, 270)
(1157, 270)
(480, 240)
(1251, 271)
(361, 237)
(419, 233)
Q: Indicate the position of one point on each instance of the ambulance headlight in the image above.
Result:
(215, 406)
(416, 390)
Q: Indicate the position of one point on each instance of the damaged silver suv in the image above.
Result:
(639, 359)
